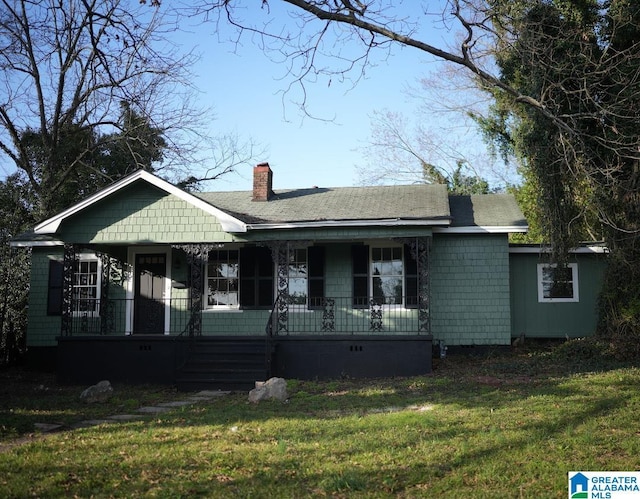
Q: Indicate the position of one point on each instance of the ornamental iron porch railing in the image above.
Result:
(323, 316)
(348, 315)
(95, 316)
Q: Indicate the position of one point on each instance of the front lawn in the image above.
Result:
(508, 424)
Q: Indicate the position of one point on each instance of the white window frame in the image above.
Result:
(291, 259)
(83, 258)
(382, 246)
(574, 282)
(206, 305)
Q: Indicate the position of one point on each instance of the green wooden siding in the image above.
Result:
(42, 329)
(338, 284)
(554, 320)
(469, 286)
(142, 214)
(470, 290)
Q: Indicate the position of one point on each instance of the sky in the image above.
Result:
(245, 89)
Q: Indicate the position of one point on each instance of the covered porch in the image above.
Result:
(149, 314)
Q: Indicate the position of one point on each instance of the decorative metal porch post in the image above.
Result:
(197, 257)
(68, 269)
(114, 271)
(420, 248)
(104, 294)
(280, 254)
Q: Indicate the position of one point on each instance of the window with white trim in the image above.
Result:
(222, 279)
(298, 276)
(557, 284)
(387, 274)
(86, 285)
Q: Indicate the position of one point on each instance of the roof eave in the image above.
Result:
(349, 223)
(483, 229)
(35, 244)
(541, 249)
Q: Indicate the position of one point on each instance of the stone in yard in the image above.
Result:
(97, 393)
(273, 388)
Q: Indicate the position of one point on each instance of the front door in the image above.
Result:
(149, 306)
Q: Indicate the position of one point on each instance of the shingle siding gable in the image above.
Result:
(142, 213)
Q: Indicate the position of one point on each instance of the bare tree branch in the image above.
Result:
(71, 64)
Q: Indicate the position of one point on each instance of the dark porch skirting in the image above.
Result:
(161, 359)
(126, 359)
(361, 356)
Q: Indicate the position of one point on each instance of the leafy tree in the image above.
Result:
(15, 215)
(104, 159)
(99, 159)
(461, 183)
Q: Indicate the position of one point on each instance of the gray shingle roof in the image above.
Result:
(406, 202)
(421, 202)
(486, 210)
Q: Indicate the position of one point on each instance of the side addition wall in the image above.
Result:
(555, 320)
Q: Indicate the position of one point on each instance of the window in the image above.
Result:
(245, 278)
(387, 274)
(557, 284)
(306, 276)
(86, 286)
(222, 279)
(86, 289)
(298, 276)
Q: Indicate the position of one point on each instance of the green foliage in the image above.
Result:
(549, 38)
(462, 183)
(619, 305)
(526, 195)
(577, 61)
(15, 216)
(98, 160)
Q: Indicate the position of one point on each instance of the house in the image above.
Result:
(144, 282)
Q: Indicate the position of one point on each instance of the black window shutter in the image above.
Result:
(315, 256)
(54, 297)
(410, 279)
(247, 277)
(360, 269)
(256, 277)
(266, 282)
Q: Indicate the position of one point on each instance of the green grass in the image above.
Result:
(504, 425)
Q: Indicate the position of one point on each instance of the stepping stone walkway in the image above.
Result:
(162, 408)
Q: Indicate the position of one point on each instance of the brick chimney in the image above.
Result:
(262, 182)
